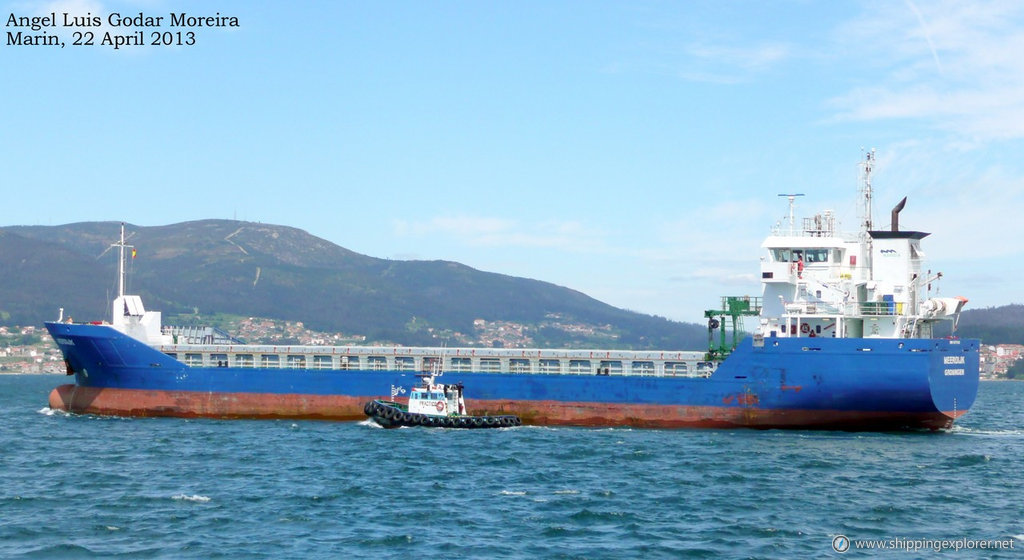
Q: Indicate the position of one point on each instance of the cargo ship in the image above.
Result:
(847, 334)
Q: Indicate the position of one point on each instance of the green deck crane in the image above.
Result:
(733, 307)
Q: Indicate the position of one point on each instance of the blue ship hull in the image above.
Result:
(834, 383)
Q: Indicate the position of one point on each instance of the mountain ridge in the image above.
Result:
(282, 272)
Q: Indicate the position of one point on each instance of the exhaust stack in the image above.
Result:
(896, 214)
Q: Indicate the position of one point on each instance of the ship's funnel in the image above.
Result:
(896, 214)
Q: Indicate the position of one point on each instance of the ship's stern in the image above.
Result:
(953, 376)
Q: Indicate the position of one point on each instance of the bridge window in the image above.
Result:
(815, 255)
(782, 255)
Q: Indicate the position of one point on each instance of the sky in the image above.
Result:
(633, 151)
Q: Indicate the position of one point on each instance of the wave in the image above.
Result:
(967, 460)
(193, 498)
(589, 515)
(962, 430)
(59, 551)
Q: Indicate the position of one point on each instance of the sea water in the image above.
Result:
(79, 486)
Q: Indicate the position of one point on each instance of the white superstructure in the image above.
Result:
(820, 282)
(128, 315)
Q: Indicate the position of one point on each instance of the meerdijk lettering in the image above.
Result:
(184, 20)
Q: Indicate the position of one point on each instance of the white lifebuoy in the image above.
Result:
(440, 406)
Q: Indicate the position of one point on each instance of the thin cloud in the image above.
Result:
(730, 64)
(978, 91)
(927, 34)
(716, 56)
(722, 276)
(755, 58)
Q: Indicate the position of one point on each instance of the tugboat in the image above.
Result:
(434, 405)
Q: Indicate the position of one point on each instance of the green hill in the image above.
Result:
(993, 325)
(252, 269)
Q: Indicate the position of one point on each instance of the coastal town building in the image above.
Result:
(997, 359)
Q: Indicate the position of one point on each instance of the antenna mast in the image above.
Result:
(869, 164)
(792, 220)
(865, 236)
(120, 262)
